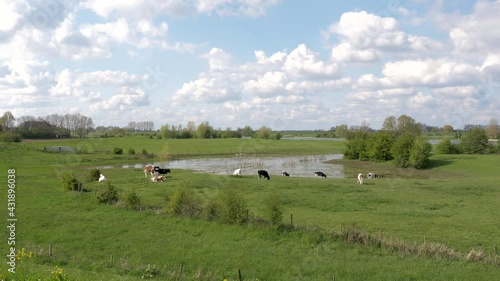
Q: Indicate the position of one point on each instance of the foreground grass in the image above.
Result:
(454, 203)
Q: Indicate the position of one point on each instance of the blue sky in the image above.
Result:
(278, 63)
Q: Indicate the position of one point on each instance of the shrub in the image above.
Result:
(133, 200)
(233, 207)
(144, 152)
(10, 137)
(401, 150)
(118, 151)
(447, 147)
(70, 182)
(131, 151)
(94, 175)
(212, 210)
(474, 141)
(420, 153)
(108, 195)
(380, 150)
(184, 202)
(273, 209)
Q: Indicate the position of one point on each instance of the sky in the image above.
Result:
(284, 64)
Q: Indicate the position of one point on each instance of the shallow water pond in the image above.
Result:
(296, 166)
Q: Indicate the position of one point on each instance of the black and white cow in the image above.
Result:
(372, 176)
(264, 174)
(285, 174)
(319, 174)
(161, 171)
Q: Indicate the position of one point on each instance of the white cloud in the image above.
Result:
(366, 37)
(204, 90)
(303, 62)
(126, 99)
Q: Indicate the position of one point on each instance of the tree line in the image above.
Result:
(400, 140)
(50, 126)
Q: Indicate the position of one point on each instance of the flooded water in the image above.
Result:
(296, 166)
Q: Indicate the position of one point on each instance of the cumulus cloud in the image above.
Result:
(366, 37)
(126, 99)
(178, 8)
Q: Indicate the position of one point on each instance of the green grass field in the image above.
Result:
(454, 203)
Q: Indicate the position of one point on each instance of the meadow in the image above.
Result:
(386, 229)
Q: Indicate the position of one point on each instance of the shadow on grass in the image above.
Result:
(434, 163)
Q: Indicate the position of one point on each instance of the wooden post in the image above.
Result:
(239, 274)
(50, 250)
(291, 219)
(425, 239)
(496, 250)
(111, 260)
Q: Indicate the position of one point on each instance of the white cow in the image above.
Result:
(360, 178)
(237, 172)
(102, 178)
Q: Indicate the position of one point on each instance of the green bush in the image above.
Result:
(447, 147)
(131, 151)
(184, 202)
(144, 152)
(401, 150)
(94, 175)
(273, 209)
(474, 141)
(108, 195)
(420, 153)
(118, 151)
(233, 207)
(212, 210)
(133, 200)
(70, 182)
(10, 137)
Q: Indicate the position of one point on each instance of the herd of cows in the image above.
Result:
(159, 175)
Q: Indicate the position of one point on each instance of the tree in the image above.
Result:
(7, 121)
(264, 133)
(447, 128)
(342, 131)
(356, 146)
(247, 131)
(420, 153)
(493, 128)
(204, 130)
(406, 124)
(390, 124)
(401, 150)
(474, 141)
(380, 149)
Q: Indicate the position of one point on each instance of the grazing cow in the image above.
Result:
(102, 178)
(360, 179)
(372, 176)
(285, 174)
(319, 174)
(237, 172)
(161, 171)
(263, 173)
(158, 178)
(148, 170)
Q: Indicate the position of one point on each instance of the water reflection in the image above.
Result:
(296, 166)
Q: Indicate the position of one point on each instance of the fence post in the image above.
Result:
(239, 274)
(111, 260)
(50, 250)
(291, 219)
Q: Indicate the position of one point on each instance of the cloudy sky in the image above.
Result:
(285, 64)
